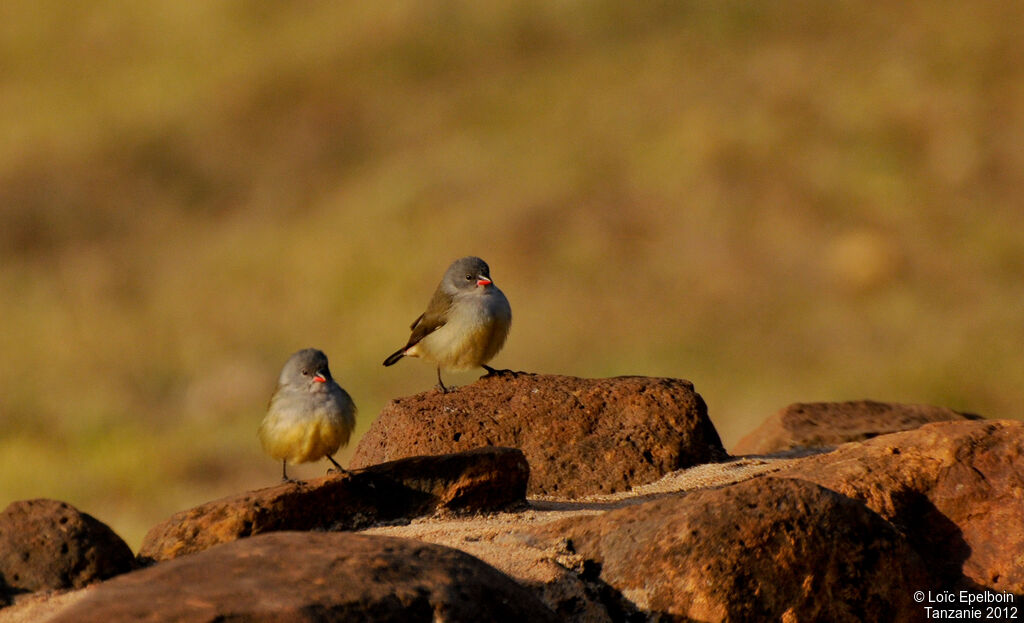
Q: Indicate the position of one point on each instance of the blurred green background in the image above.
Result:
(780, 201)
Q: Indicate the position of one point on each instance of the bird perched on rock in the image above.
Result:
(465, 324)
(310, 416)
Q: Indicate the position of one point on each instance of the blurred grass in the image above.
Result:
(778, 201)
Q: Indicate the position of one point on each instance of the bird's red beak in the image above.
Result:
(319, 378)
(483, 281)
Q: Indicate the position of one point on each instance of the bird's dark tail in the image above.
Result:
(395, 356)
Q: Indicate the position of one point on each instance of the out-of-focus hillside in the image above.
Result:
(778, 201)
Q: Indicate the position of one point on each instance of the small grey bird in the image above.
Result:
(466, 322)
(310, 416)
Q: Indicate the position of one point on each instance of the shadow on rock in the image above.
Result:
(481, 480)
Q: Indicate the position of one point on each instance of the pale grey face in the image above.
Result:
(306, 369)
(467, 274)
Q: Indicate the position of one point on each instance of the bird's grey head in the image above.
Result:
(467, 274)
(306, 368)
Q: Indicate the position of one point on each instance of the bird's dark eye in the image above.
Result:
(469, 277)
(305, 373)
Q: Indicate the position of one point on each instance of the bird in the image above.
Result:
(465, 324)
(309, 416)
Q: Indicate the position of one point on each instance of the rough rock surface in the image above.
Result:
(955, 488)
(47, 544)
(765, 550)
(847, 535)
(314, 577)
(566, 582)
(580, 436)
(829, 424)
(485, 479)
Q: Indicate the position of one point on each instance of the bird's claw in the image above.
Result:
(495, 372)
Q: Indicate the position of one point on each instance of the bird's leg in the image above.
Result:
(338, 468)
(440, 383)
(284, 471)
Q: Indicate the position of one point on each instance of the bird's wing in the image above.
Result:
(416, 322)
(431, 320)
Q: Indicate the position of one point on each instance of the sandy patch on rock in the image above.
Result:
(503, 540)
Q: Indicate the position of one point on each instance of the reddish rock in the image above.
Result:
(313, 577)
(762, 550)
(486, 479)
(580, 436)
(47, 544)
(956, 489)
(829, 424)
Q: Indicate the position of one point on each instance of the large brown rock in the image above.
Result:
(955, 488)
(829, 424)
(313, 577)
(580, 436)
(47, 544)
(763, 550)
(485, 479)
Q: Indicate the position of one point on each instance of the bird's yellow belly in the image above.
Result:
(302, 440)
(455, 350)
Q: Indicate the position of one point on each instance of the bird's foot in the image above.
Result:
(337, 469)
(440, 384)
(494, 372)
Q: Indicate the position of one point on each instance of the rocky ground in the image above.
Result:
(542, 498)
